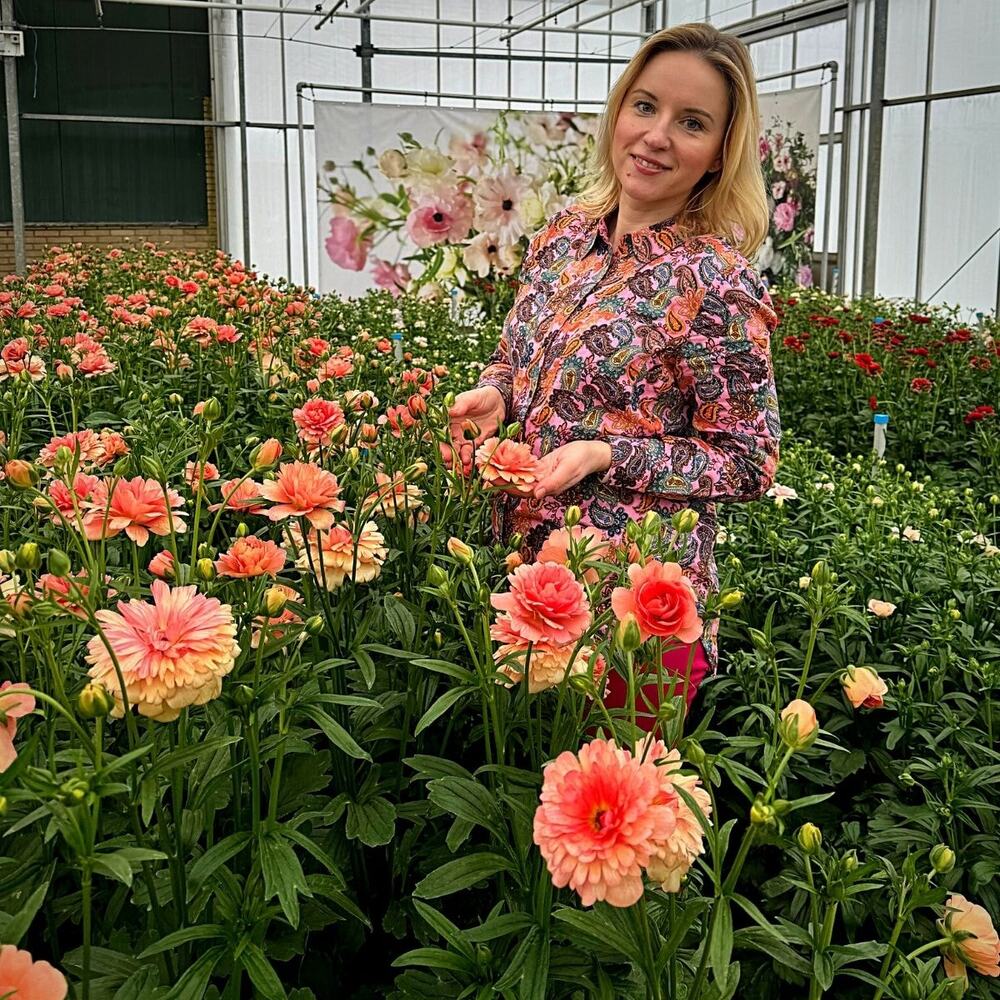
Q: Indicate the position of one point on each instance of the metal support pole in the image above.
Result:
(845, 146)
(825, 258)
(925, 149)
(366, 59)
(302, 184)
(244, 160)
(14, 146)
(874, 165)
(284, 143)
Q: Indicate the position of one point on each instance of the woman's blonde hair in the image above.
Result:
(730, 202)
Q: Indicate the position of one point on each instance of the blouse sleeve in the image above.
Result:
(725, 369)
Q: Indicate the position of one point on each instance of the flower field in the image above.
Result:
(279, 719)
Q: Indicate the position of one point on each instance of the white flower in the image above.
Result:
(876, 501)
(783, 161)
(498, 203)
(486, 252)
(765, 255)
(881, 609)
(429, 171)
(392, 163)
(911, 534)
(779, 494)
(430, 292)
(827, 486)
(722, 536)
(804, 582)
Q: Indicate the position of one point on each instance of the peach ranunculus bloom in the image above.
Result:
(677, 854)
(173, 652)
(547, 665)
(881, 609)
(162, 564)
(303, 489)
(316, 420)
(981, 950)
(593, 543)
(70, 504)
(864, 688)
(243, 496)
(136, 506)
(333, 556)
(393, 495)
(22, 978)
(195, 477)
(546, 603)
(251, 556)
(507, 465)
(603, 815)
(662, 600)
(13, 706)
(798, 724)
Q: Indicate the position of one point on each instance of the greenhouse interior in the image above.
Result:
(500, 499)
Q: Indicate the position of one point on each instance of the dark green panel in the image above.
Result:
(110, 172)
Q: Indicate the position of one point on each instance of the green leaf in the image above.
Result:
(367, 665)
(446, 667)
(197, 933)
(218, 854)
(141, 985)
(446, 701)
(373, 822)
(282, 875)
(469, 800)
(335, 732)
(720, 946)
(184, 755)
(400, 620)
(536, 970)
(327, 887)
(453, 876)
(500, 926)
(114, 866)
(434, 958)
(262, 973)
(193, 984)
(445, 929)
(18, 925)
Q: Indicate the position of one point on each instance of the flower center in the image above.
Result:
(507, 204)
(597, 817)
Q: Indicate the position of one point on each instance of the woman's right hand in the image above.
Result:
(486, 409)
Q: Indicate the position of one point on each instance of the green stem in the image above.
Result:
(826, 936)
(887, 961)
(807, 662)
(87, 903)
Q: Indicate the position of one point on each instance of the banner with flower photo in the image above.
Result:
(436, 199)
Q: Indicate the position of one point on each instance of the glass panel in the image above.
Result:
(685, 11)
(821, 183)
(906, 49)
(966, 37)
(723, 12)
(772, 56)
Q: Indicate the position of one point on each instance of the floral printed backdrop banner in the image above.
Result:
(799, 108)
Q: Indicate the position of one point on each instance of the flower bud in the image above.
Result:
(212, 410)
(515, 540)
(512, 430)
(583, 684)
(175, 399)
(28, 557)
(651, 522)
(810, 838)
(684, 521)
(64, 372)
(243, 695)
(849, 862)
(94, 702)
(59, 564)
(63, 459)
(798, 726)
(731, 599)
(906, 779)
(153, 468)
(512, 560)
(761, 814)
(3, 805)
(20, 473)
(121, 468)
(470, 430)
(695, 753)
(274, 601)
(242, 529)
(315, 625)
(265, 456)
(820, 573)
(436, 576)
(438, 639)
(942, 859)
(954, 614)
(462, 552)
(415, 471)
(8, 561)
(627, 635)
(573, 515)
(204, 569)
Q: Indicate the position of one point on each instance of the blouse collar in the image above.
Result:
(641, 243)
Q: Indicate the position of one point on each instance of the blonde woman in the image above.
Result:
(636, 357)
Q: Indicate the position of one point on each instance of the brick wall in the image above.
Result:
(39, 237)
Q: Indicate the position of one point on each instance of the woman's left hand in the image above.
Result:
(566, 466)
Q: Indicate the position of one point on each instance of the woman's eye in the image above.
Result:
(693, 123)
(644, 107)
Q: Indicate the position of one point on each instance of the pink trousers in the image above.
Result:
(647, 698)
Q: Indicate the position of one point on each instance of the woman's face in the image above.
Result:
(669, 133)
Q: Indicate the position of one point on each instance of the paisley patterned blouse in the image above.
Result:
(659, 346)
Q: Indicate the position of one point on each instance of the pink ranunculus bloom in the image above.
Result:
(981, 949)
(507, 465)
(63, 498)
(662, 599)
(67, 591)
(22, 978)
(784, 217)
(303, 489)
(335, 555)
(251, 556)
(194, 476)
(136, 506)
(547, 665)
(95, 363)
(173, 652)
(546, 603)
(864, 688)
(334, 367)
(316, 420)
(674, 857)
(14, 704)
(602, 817)
(392, 277)
(86, 444)
(443, 217)
(344, 245)
(393, 496)
(242, 496)
(592, 542)
(804, 276)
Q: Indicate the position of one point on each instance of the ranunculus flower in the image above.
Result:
(547, 665)
(22, 978)
(241, 495)
(981, 950)
(864, 688)
(393, 496)
(392, 277)
(662, 600)
(507, 465)
(779, 494)
(162, 564)
(195, 476)
(784, 217)
(138, 506)
(440, 217)
(592, 541)
(316, 420)
(798, 725)
(173, 652)
(546, 603)
(14, 704)
(344, 245)
(602, 817)
(251, 556)
(334, 556)
(303, 489)
(881, 609)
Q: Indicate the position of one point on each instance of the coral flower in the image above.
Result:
(334, 556)
(662, 600)
(136, 506)
(602, 816)
(393, 496)
(241, 495)
(316, 420)
(251, 556)
(63, 499)
(881, 609)
(981, 949)
(22, 978)
(547, 665)
(195, 476)
(13, 706)
(864, 688)
(507, 465)
(675, 856)
(172, 653)
(162, 564)
(303, 489)
(546, 603)
(591, 541)
(798, 724)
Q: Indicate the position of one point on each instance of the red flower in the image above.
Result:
(873, 403)
(794, 344)
(959, 336)
(917, 318)
(921, 352)
(867, 364)
(920, 385)
(833, 354)
(979, 413)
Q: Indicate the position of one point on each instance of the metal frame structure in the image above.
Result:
(860, 112)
